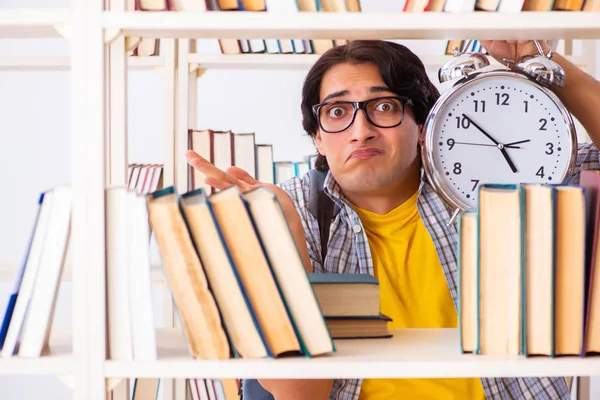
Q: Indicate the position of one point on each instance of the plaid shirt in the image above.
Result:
(348, 252)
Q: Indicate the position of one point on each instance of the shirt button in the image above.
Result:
(357, 228)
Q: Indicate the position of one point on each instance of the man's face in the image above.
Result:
(365, 158)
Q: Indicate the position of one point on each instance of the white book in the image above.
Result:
(284, 170)
(120, 346)
(272, 46)
(188, 5)
(244, 151)
(38, 321)
(265, 171)
(201, 386)
(29, 277)
(140, 281)
(510, 6)
(382, 6)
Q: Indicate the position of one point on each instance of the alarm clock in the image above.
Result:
(500, 125)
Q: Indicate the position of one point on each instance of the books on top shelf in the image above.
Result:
(226, 148)
(145, 178)
(151, 46)
(528, 277)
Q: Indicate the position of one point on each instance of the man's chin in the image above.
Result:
(366, 181)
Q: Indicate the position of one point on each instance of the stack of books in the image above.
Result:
(351, 304)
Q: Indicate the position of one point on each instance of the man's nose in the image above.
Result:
(362, 130)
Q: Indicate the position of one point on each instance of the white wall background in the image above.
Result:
(34, 147)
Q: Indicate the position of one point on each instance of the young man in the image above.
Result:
(392, 224)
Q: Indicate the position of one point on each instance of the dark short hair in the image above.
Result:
(401, 70)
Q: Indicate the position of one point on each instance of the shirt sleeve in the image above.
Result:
(299, 191)
(588, 158)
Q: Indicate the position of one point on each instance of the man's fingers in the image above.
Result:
(216, 183)
(208, 169)
(241, 175)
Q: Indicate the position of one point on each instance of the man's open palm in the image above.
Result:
(235, 176)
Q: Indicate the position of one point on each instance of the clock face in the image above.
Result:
(497, 128)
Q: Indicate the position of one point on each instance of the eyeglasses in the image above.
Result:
(383, 112)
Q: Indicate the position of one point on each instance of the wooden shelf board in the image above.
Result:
(298, 61)
(58, 361)
(32, 23)
(425, 25)
(206, 61)
(63, 63)
(275, 61)
(410, 353)
(8, 272)
(143, 62)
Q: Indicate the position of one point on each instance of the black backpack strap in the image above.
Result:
(321, 207)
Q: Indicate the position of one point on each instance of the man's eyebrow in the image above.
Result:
(341, 93)
(378, 89)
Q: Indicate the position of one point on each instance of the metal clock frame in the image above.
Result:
(436, 177)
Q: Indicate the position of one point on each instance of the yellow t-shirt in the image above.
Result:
(414, 293)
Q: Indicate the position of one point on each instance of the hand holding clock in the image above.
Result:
(513, 49)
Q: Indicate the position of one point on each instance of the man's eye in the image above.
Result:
(385, 107)
(336, 112)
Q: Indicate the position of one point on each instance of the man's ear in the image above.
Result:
(421, 136)
(319, 142)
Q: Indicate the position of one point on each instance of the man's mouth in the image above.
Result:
(365, 153)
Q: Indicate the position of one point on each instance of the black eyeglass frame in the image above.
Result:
(362, 105)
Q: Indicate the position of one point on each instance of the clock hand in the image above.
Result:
(487, 145)
(510, 145)
(500, 145)
(480, 129)
(508, 160)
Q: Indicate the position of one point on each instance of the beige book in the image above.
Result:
(570, 259)
(568, 5)
(194, 301)
(499, 270)
(288, 270)
(468, 281)
(229, 295)
(254, 271)
(539, 268)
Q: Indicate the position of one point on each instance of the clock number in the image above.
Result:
(526, 105)
(505, 98)
(457, 168)
(475, 184)
(540, 172)
(550, 148)
(543, 121)
(477, 107)
(462, 122)
(450, 142)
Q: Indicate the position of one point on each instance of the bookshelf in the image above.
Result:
(411, 353)
(63, 63)
(59, 360)
(33, 23)
(245, 25)
(98, 158)
(297, 61)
